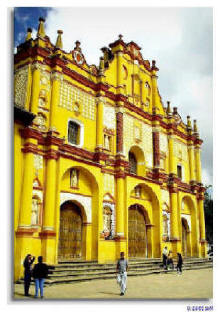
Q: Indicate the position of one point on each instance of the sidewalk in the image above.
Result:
(190, 285)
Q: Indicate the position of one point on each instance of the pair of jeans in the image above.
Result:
(27, 282)
(121, 280)
(39, 283)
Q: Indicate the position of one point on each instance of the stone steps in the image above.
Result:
(79, 271)
(112, 275)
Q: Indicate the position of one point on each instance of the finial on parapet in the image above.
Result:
(101, 66)
(29, 34)
(41, 31)
(154, 67)
(168, 108)
(59, 43)
(120, 37)
(175, 111)
(195, 128)
(189, 124)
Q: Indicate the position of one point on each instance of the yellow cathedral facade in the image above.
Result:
(100, 164)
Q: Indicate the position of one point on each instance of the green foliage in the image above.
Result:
(208, 210)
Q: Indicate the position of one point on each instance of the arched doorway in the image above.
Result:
(137, 235)
(70, 238)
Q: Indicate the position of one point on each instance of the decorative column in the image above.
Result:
(49, 206)
(174, 231)
(174, 214)
(35, 88)
(155, 96)
(120, 197)
(27, 185)
(172, 167)
(48, 233)
(198, 164)
(56, 78)
(119, 70)
(99, 122)
(24, 232)
(191, 161)
(191, 152)
(198, 142)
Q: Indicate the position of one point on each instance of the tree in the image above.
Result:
(208, 210)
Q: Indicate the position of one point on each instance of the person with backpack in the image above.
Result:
(39, 273)
(122, 268)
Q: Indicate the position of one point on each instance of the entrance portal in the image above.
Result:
(70, 240)
(137, 238)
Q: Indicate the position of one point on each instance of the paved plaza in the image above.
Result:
(192, 284)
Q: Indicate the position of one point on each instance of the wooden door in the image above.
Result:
(70, 240)
(137, 238)
(184, 239)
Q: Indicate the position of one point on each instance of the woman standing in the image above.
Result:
(27, 273)
(40, 272)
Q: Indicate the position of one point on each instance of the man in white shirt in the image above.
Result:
(122, 268)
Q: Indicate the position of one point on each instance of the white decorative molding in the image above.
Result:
(163, 142)
(167, 214)
(109, 118)
(20, 86)
(69, 95)
(85, 201)
(38, 161)
(112, 207)
(180, 148)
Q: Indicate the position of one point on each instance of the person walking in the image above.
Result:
(27, 273)
(179, 263)
(40, 272)
(122, 268)
(165, 253)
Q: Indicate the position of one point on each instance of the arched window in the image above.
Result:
(35, 211)
(132, 163)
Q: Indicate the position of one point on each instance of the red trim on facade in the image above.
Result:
(52, 154)
(77, 151)
(80, 160)
(47, 234)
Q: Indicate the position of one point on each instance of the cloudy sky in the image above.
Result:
(179, 39)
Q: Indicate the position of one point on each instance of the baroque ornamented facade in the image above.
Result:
(101, 166)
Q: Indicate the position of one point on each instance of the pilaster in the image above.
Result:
(56, 78)
(35, 88)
